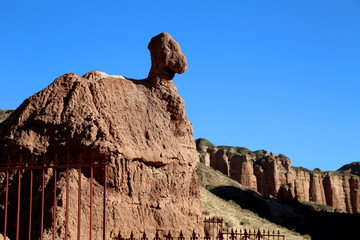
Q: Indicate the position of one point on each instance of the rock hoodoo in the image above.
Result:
(273, 176)
(166, 59)
(142, 128)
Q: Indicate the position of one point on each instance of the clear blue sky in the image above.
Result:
(277, 75)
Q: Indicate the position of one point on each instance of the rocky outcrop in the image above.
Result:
(140, 125)
(273, 176)
(353, 168)
(166, 59)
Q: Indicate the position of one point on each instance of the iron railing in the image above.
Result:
(213, 229)
(22, 167)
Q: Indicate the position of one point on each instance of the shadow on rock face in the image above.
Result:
(293, 214)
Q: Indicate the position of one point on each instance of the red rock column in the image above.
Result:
(219, 161)
(347, 194)
(355, 194)
(242, 171)
(316, 191)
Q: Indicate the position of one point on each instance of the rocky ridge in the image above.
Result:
(352, 168)
(273, 176)
(141, 128)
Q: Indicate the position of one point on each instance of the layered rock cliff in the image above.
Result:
(139, 125)
(273, 176)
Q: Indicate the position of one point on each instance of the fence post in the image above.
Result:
(43, 162)
(232, 235)
(6, 195)
(31, 192)
(105, 186)
(79, 198)
(168, 237)
(207, 235)
(67, 197)
(131, 236)
(144, 237)
(18, 203)
(156, 236)
(181, 236)
(55, 185)
(91, 192)
(193, 236)
(119, 237)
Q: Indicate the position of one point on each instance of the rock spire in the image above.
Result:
(166, 59)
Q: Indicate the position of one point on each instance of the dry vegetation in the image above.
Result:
(4, 114)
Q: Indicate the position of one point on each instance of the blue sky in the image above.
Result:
(276, 75)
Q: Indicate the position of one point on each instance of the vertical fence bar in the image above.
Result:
(91, 196)
(67, 197)
(79, 198)
(105, 186)
(18, 204)
(42, 198)
(221, 224)
(55, 185)
(6, 196)
(213, 227)
(31, 192)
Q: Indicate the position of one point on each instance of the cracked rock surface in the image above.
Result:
(142, 129)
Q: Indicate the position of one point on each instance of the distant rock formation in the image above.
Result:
(140, 125)
(353, 168)
(273, 176)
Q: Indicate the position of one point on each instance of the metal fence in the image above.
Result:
(23, 167)
(232, 235)
(213, 228)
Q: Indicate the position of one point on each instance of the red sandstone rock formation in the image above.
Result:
(140, 125)
(274, 177)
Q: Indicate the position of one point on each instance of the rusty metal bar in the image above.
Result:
(79, 205)
(55, 185)
(91, 198)
(221, 224)
(6, 198)
(31, 192)
(213, 227)
(104, 209)
(42, 198)
(67, 198)
(18, 203)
